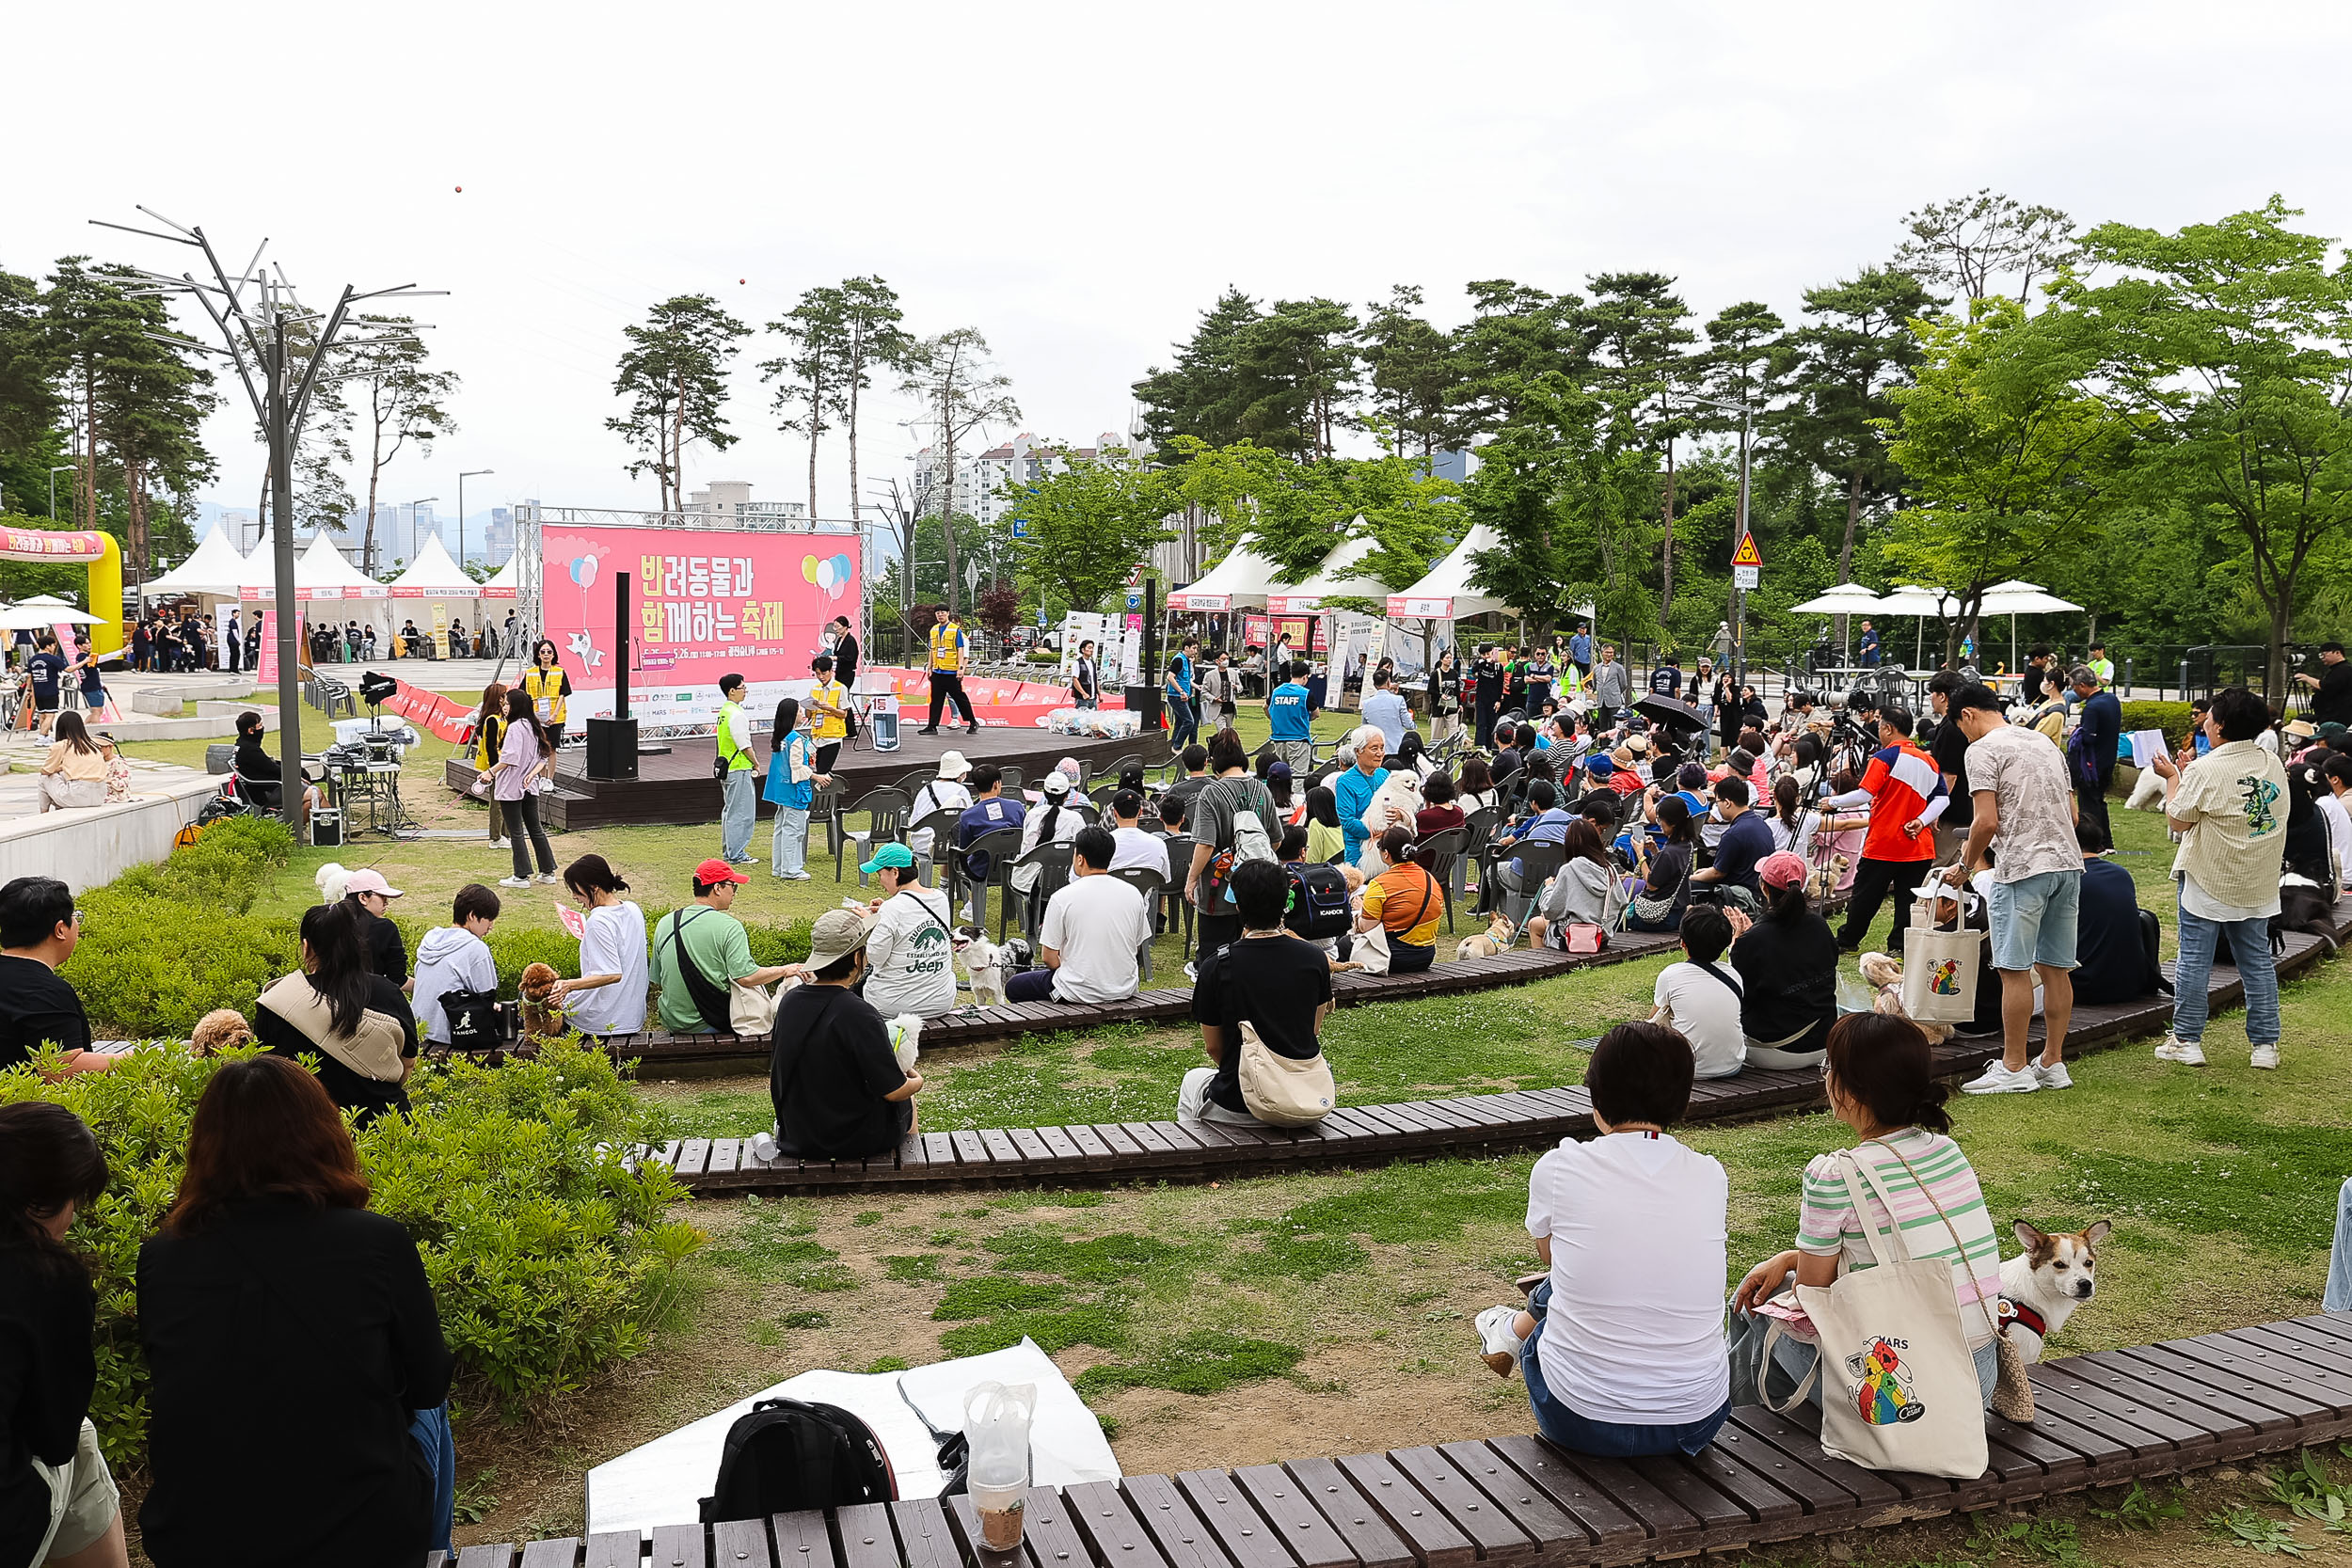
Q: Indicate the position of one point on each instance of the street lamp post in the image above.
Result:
(1738, 537)
(426, 500)
(470, 473)
(53, 489)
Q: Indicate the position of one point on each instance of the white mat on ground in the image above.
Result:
(664, 1482)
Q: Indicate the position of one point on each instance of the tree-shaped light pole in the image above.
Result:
(281, 351)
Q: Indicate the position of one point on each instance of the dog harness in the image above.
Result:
(2018, 1312)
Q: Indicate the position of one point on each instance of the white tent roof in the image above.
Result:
(1337, 577)
(434, 576)
(1847, 599)
(1927, 603)
(1444, 593)
(320, 573)
(504, 582)
(216, 567)
(1239, 581)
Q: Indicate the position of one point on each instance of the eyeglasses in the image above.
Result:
(77, 917)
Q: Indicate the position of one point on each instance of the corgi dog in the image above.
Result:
(1496, 938)
(2042, 1285)
(984, 966)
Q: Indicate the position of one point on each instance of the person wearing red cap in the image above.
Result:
(701, 950)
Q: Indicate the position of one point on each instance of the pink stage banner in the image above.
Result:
(706, 602)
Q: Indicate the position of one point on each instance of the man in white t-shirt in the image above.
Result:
(910, 955)
(1094, 930)
(1132, 845)
(1623, 1343)
(1699, 999)
(948, 793)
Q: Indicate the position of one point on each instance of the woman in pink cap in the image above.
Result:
(1787, 964)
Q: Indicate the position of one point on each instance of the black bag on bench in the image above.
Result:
(784, 1455)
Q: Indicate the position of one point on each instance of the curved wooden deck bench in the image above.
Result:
(1358, 1134)
(2104, 1420)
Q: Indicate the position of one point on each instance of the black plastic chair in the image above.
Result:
(1478, 828)
(1443, 852)
(1151, 885)
(1002, 846)
(886, 812)
(1536, 862)
(942, 825)
(1053, 863)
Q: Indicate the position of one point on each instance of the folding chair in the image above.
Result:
(1053, 863)
(886, 812)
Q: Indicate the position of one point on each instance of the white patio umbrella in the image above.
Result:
(1846, 599)
(2014, 599)
(44, 610)
(1922, 605)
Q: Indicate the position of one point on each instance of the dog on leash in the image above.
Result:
(1496, 938)
(984, 965)
(2043, 1286)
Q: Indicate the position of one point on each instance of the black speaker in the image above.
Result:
(1143, 701)
(612, 747)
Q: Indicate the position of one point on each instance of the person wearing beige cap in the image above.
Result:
(948, 793)
(836, 1086)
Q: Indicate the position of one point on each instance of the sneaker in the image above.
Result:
(2267, 1056)
(1997, 1079)
(513, 881)
(2189, 1053)
(1498, 1342)
(2054, 1076)
(975, 730)
(794, 876)
(545, 879)
(926, 732)
(1192, 970)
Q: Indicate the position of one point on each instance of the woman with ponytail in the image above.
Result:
(58, 1500)
(1880, 1077)
(1787, 964)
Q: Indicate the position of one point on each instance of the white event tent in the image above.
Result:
(504, 582)
(1240, 582)
(1444, 591)
(1338, 576)
(216, 568)
(434, 576)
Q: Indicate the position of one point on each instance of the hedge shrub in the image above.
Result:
(548, 1258)
(2171, 717)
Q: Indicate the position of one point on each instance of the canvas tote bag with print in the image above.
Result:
(1900, 1389)
(1940, 966)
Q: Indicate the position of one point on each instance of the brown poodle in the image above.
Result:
(222, 1029)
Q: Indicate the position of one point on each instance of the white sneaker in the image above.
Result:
(2267, 1056)
(513, 881)
(545, 879)
(1498, 1341)
(1997, 1079)
(2189, 1054)
(2054, 1076)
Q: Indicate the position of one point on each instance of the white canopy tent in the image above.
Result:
(434, 576)
(1339, 577)
(505, 581)
(1240, 582)
(216, 568)
(1444, 591)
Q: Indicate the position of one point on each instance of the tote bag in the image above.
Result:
(1899, 1384)
(1940, 966)
(1283, 1091)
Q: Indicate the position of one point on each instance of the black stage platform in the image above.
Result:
(677, 788)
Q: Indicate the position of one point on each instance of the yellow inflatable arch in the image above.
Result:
(93, 549)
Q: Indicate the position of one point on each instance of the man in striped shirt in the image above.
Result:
(1905, 795)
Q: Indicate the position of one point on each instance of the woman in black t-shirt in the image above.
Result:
(58, 1501)
(339, 1009)
(1787, 964)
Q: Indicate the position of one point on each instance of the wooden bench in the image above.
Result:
(1357, 1134)
(2106, 1419)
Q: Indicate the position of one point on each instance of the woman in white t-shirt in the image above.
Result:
(1622, 1343)
(609, 998)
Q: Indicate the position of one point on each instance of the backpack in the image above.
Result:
(1319, 909)
(1251, 842)
(784, 1455)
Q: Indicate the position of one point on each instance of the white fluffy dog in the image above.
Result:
(984, 965)
(331, 879)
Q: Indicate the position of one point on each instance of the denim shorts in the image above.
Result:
(2033, 919)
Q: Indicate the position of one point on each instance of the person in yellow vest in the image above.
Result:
(549, 686)
(738, 799)
(949, 648)
(828, 704)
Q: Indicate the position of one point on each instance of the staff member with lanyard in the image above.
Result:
(949, 647)
(830, 703)
(548, 684)
(738, 807)
(1086, 682)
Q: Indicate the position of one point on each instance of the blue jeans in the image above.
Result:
(1184, 725)
(2339, 1296)
(2249, 942)
(790, 854)
(429, 1429)
(738, 808)
(1602, 1439)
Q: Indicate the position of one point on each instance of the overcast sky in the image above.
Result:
(1078, 182)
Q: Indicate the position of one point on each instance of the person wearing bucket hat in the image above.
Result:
(910, 951)
(836, 1086)
(949, 792)
(1787, 961)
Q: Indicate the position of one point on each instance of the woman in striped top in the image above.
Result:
(1878, 1077)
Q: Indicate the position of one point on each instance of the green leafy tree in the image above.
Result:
(1205, 393)
(807, 376)
(2231, 345)
(1411, 371)
(955, 379)
(1516, 335)
(1085, 527)
(29, 404)
(406, 401)
(871, 339)
(1839, 369)
(2007, 454)
(674, 375)
(1300, 360)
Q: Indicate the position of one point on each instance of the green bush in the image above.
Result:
(1044, 656)
(2171, 717)
(548, 1258)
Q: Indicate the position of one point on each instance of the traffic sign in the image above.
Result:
(1020, 528)
(1745, 577)
(1746, 554)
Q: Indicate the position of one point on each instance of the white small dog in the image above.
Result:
(2042, 1285)
(984, 965)
(331, 880)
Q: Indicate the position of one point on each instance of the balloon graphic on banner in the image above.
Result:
(585, 570)
(832, 575)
